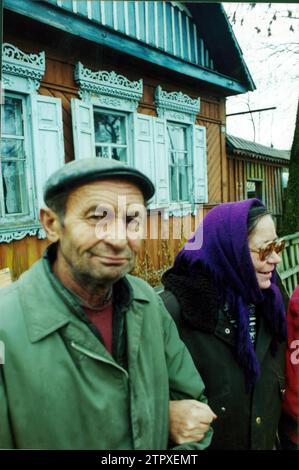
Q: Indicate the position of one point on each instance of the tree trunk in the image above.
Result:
(290, 223)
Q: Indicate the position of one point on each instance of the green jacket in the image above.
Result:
(61, 389)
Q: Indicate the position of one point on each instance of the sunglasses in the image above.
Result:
(267, 250)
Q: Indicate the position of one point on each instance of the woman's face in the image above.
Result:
(263, 233)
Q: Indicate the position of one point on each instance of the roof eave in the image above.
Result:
(253, 156)
(79, 26)
(239, 50)
(223, 29)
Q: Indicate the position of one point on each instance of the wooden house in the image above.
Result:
(142, 82)
(255, 170)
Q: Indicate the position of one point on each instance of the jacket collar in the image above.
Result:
(48, 308)
(139, 293)
(44, 311)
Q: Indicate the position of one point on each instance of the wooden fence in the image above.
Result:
(288, 269)
(5, 278)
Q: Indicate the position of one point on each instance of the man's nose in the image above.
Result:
(116, 234)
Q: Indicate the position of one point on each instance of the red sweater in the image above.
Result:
(291, 399)
(102, 319)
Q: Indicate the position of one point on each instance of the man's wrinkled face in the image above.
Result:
(101, 234)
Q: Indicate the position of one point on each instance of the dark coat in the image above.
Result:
(245, 420)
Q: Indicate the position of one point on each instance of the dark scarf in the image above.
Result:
(197, 295)
(220, 245)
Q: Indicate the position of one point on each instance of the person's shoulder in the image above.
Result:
(139, 284)
(142, 290)
(295, 294)
(9, 306)
(294, 303)
(170, 300)
(295, 297)
(8, 294)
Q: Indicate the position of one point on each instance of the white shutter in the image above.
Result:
(144, 146)
(200, 164)
(161, 161)
(83, 129)
(47, 139)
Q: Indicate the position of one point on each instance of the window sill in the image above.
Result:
(18, 232)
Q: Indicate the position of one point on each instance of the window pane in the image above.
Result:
(11, 117)
(177, 137)
(173, 183)
(13, 174)
(183, 184)
(12, 148)
(102, 152)
(179, 162)
(14, 187)
(182, 158)
(254, 189)
(110, 128)
(117, 153)
(172, 158)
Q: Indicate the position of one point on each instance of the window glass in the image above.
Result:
(254, 189)
(13, 169)
(179, 162)
(110, 135)
(11, 117)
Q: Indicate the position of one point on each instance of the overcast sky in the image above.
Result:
(273, 64)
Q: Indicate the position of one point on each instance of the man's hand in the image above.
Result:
(189, 420)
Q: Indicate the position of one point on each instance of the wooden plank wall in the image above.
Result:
(240, 170)
(165, 244)
(161, 249)
(19, 255)
(61, 56)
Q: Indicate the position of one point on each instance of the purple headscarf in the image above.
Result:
(225, 253)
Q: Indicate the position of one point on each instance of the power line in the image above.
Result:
(249, 112)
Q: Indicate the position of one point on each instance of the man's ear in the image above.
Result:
(50, 222)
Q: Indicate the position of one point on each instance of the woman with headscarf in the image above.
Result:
(222, 294)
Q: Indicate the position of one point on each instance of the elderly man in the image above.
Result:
(92, 356)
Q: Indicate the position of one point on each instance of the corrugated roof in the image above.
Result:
(247, 147)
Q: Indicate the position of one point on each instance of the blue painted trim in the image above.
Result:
(86, 29)
(230, 29)
(218, 36)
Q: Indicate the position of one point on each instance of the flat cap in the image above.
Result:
(87, 170)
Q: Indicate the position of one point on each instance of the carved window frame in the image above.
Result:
(176, 106)
(108, 91)
(179, 108)
(21, 75)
